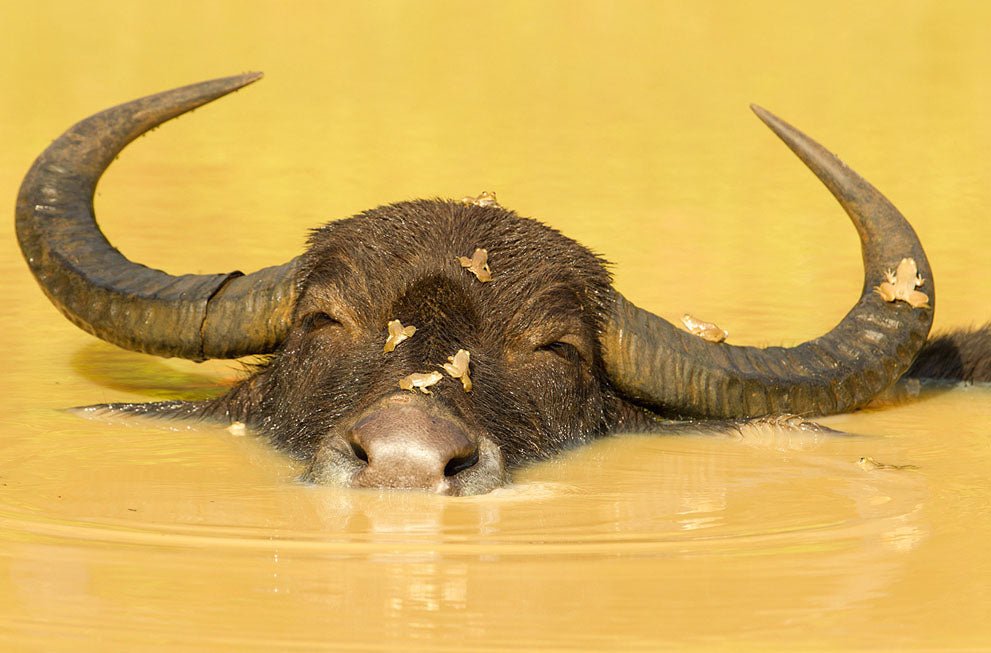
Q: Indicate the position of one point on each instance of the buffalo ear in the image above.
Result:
(231, 408)
(169, 411)
(242, 401)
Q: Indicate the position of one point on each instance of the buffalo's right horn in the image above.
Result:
(128, 304)
(650, 360)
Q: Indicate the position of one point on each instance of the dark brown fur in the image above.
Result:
(533, 333)
(956, 356)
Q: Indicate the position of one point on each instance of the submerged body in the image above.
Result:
(504, 341)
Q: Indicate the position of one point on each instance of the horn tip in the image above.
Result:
(766, 116)
(791, 136)
(250, 77)
(208, 91)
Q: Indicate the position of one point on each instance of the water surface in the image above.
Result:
(625, 126)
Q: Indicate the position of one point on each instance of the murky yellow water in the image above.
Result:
(626, 126)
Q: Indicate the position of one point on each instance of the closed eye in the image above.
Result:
(562, 349)
(319, 320)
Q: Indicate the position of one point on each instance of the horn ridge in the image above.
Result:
(869, 349)
(90, 281)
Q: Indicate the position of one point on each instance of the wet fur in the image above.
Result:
(532, 332)
(956, 356)
(539, 382)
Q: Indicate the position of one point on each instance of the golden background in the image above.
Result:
(623, 124)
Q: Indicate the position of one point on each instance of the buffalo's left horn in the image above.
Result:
(128, 304)
(682, 375)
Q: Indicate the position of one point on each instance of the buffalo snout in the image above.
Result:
(410, 443)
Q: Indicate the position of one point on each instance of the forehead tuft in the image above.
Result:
(394, 245)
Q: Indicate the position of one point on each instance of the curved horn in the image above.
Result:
(128, 304)
(651, 361)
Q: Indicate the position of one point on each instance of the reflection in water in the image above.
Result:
(151, 378)
(400, 558)
(624, 128)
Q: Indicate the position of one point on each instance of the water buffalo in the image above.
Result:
(438, 344)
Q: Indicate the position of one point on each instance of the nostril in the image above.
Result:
(461, 463)
(416, 446)
(359, 453)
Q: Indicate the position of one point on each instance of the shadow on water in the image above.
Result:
(117, 369)
(911, 391)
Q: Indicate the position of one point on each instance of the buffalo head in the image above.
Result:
(555, 356)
